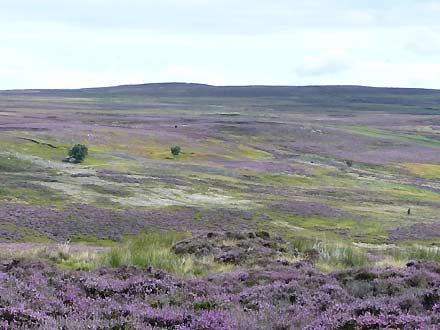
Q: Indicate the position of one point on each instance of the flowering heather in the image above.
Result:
(81, 219)
(310, 209)
(426, 231)
(35, 295)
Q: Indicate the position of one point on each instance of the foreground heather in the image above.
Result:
(36, 295)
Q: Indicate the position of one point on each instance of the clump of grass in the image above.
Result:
(336, 255)
(92, 241)
(330, 254)
(417, 252)
(302, 244)
(154, 250)
(85, 261)
(65, 258)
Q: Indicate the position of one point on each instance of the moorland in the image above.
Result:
(286, 208)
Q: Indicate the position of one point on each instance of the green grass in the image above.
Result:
(13, 164)
(302, 244)
(64, 258)
(154, 250)
(33, 194)
(47, 153)
(338, 229)
(37, 150)
(427, 171)
(282, 180)
(27, 235)
(337, 255)
(252, 153)
(417, 252)
(108, 190)
(333, 254)
(384, 134)
(93, 241)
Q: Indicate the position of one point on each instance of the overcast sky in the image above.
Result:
(83, 43)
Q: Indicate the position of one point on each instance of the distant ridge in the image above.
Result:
(175, 89)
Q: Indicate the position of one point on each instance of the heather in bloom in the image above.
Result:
(36, 295)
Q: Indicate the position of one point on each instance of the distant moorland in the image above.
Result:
(208, 208)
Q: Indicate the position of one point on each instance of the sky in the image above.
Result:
(88, 43)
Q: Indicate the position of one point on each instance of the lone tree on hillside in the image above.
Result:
(175, 151)
(78, 153)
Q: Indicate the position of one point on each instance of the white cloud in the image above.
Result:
(60, 43)
(424, 41)
(323, 67)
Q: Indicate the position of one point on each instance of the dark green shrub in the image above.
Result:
(205, 306)
(349, 163)
(175, 151)
(78, 152)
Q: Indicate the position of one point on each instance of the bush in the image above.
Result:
(78, 152)
(349, 163)
(175, 151)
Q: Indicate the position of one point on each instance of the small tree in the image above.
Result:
(175, 151)
(78, 152)
(349, 163)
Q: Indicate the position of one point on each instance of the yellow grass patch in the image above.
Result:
(429, 171)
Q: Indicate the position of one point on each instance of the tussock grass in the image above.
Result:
(338, 255)
(85, 261)
(154, 250)
(333, 254)
(64, 257)
(417, 252)
(302, 244)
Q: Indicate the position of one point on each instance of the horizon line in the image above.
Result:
(215, 86)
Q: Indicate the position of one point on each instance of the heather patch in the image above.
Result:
(420, 231)
(81, 219)
(290, 296)
(235, 247)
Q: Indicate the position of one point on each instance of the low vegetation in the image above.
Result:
(153, 250)
(276, 296)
